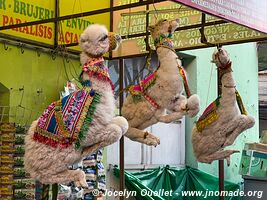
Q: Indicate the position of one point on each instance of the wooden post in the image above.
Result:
(56, 23)
(54, 191)
(221, 162)
(122, 176)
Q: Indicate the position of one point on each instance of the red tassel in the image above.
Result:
(50, 142)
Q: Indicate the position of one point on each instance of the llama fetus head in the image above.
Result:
(95, 41)
(163, 28)
(221, 58)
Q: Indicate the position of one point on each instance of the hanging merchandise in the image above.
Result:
(95, 175)
(80, 123)
(24, 186)
(223, 120)
(7, 151)
(159, 91)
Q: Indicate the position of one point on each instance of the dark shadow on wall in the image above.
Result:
(4, 103)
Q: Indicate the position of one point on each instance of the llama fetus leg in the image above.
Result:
(188, 106)
(192, 105)
(169, 117)
(218, 155)
(242, 123)
(77, 176)
(109, 135)
(121, 122)
(142, 136)
(148, 123)
(179, 104)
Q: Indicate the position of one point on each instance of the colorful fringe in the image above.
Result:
(139, 91)
(98, 70)
(63, 122)
(165, 41)
(136, 90)
(88, 120)
(209, 115)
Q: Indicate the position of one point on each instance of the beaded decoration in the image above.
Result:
(165, 41)
(139, 91)
(97, 69)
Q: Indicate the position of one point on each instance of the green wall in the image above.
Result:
(33, 73)
(201, 71)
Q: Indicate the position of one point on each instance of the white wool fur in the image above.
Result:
(50, 165)
(167, 92)
(209, 144)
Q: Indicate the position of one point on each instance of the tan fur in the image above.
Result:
(167, 92)
(50, 165)
(209, 144)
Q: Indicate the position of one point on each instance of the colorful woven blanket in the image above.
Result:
(209, 115)
(67, 121)
(137, 91)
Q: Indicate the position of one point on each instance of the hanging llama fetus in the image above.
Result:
(223, 120)
(161, 91)
(80, 123)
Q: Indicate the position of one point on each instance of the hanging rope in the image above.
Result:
(156, 14)
(211, 71)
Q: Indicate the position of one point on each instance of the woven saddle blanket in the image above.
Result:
(209, 115)
(136, 90)
(66, 121)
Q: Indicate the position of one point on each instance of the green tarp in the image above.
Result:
(169, 183)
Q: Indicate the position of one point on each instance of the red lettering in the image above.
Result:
(41, 31)
(5, 20)
(18, 21)
(26, 29)
(61, 37)
(45, 27)
(35, 30)
(76, 38)
(49, 33)
(67, 36)
(11, 22)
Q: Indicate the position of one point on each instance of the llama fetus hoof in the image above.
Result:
(151, 139)
(121, 122)
(81, 183)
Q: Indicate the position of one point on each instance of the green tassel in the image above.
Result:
(87, 121)
(77, 144)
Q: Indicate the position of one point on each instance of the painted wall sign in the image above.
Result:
(250, 13)
(20, 11)
(133, 21)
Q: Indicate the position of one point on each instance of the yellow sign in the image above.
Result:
(71, 29)
(20, 11)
